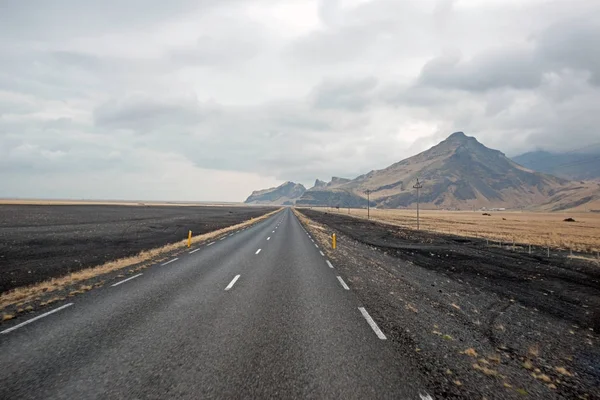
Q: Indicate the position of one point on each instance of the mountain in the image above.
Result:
(330, 194)
(318, 184)
(577, 166)
(458, 173)
(285, 194)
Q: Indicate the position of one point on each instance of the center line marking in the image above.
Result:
(125, 280)
(343, 283)
(273, 231)
(193, 251)
(372, 323)
(35, 319)
(232, 282)
(269, 238)
(257, 251)
(210, 244)
(321, 253)
(330, 265)
(169, 262)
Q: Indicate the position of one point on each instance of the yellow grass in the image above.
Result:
(535, 228)
(32, 292)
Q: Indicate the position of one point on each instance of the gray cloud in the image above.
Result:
(216, 98)
(352, 95)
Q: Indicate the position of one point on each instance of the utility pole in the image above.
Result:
(418, 186)
(368, 192)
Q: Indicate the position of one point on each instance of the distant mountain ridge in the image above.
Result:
(457, 173)
(284, 194)
(573, 165)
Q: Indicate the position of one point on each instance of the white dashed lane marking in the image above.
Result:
(257, 251)
(329, 263)
(232, 282)
(169, 262)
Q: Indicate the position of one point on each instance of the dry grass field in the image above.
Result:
(539, 229)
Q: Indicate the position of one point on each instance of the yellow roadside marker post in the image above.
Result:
(333, 241)
(189, 239)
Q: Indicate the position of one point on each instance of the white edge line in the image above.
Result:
(321, 253)
(193, 251)
(372, 323)
(316, 246)
(210, 244)
(232, 282)
(342, 283)
(35, 318)
(257, 251)
(125, 280)
(329, 263)
(169, 262)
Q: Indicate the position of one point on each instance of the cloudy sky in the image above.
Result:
(210, 99)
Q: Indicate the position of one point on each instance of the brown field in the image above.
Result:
(539, 229)
(28, 293)
(43, 202)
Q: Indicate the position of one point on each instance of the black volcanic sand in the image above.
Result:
(435, 296)
(38, 242)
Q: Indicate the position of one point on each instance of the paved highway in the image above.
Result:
(257, 314)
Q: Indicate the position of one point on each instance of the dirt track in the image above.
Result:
(38, 242)
(526, 317)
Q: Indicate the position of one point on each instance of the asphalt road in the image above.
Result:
(224, 320)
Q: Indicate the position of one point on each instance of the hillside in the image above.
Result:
(574, 165)
(458, 173)
(331, 193)
(284, 194)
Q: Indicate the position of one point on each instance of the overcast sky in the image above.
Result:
(211, 99)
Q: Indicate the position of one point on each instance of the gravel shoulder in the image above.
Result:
(481, 322)
(38, 242)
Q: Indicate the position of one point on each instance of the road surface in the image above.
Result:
(257, 314)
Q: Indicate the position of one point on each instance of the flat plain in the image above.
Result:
(535, 228)
(38, 241)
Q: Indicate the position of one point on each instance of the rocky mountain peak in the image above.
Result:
(319, 183)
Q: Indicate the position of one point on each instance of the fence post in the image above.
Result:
(529, 249)
(548, 251)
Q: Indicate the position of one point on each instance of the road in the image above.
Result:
(257, 314)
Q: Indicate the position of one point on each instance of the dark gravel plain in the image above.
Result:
(38, 242)
(482, 322)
